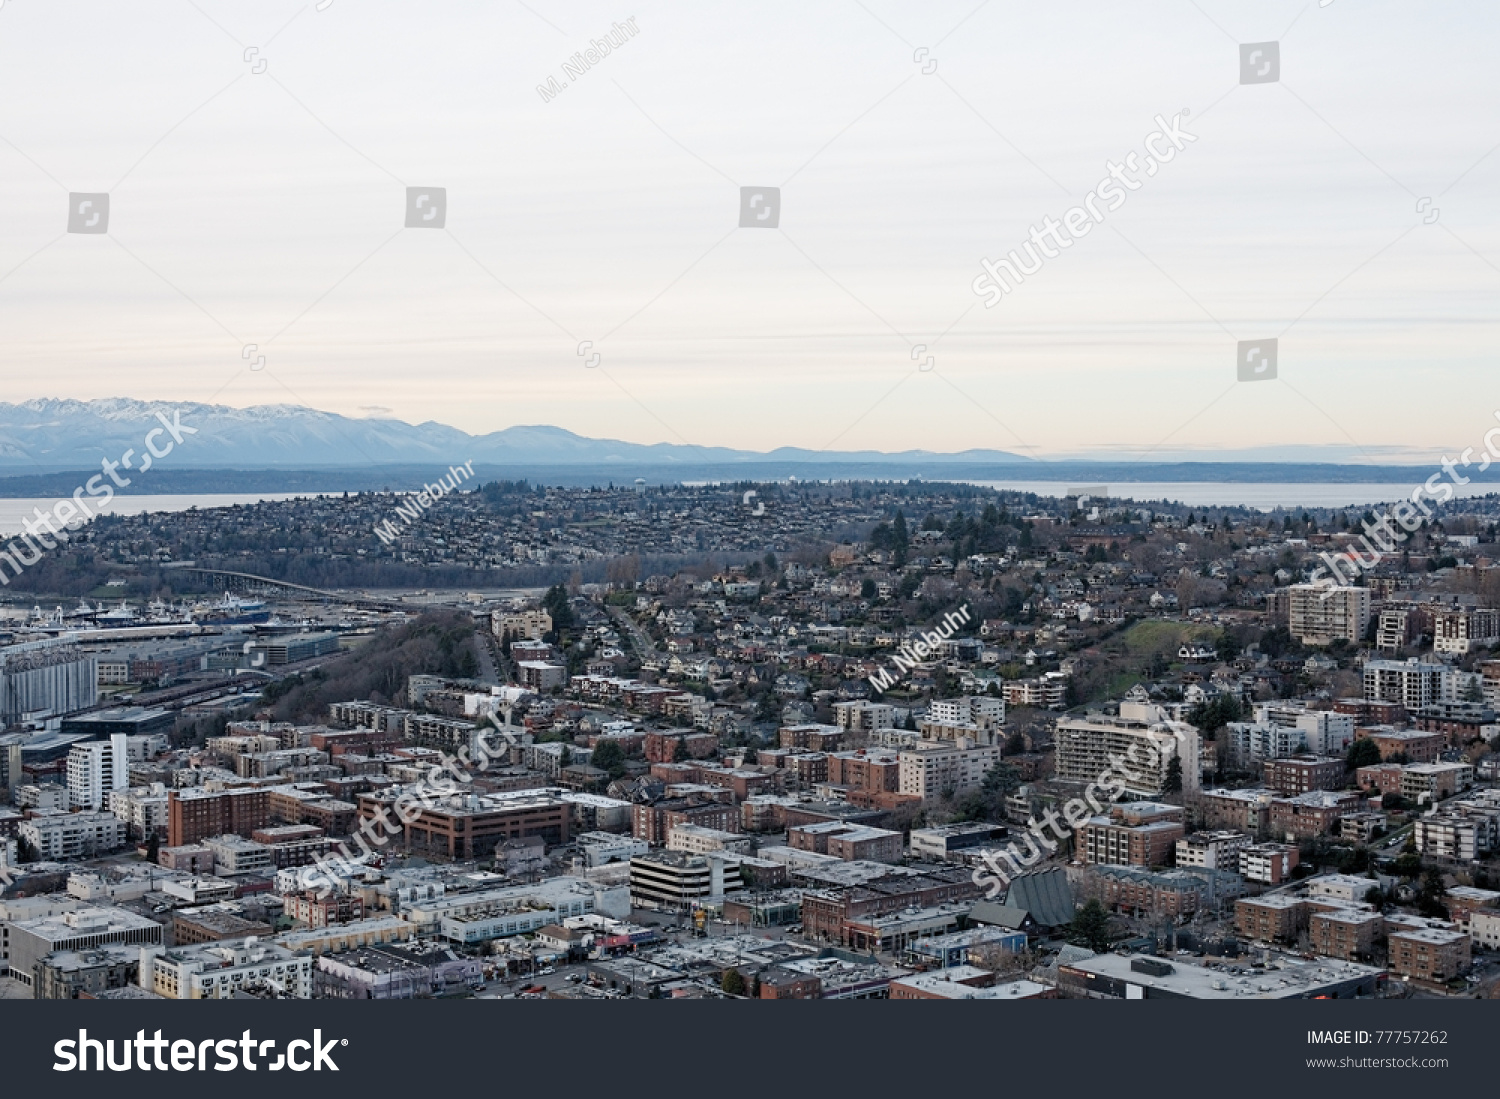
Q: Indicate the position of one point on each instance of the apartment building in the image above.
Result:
(1268, 863)
(847, 841)
(1459, 630)
(972, 710)
(1410, 683)
(1458, 836)
(1174, 894)
(532, 625)
(1320, 615)
(872, 769)
(1137, 834)
(1141, 736)
(195, 814)
(863, 716)
(1345, 933)
(1212, 850)
(1236, 810)
(1429, 954)
(142, 808)
(58, 836)
(218, 971)
(1275, 917)
(1461, 723)
(652, 823)
(96, 769)
(933, 770)
(847, 914)
(1429, 783)
(1412, 746)
(1313, 814)
(1302, 774)
(811, 737)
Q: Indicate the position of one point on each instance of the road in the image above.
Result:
(644, 647)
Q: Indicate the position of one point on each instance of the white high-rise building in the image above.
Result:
(97, 769)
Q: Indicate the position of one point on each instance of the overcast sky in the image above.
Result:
(268, 208)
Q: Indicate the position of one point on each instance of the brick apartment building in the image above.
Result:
(876, 769)
(1246, 811)
(815, 738)
(1154, 893)
(194, 815)
(661, 747)
(1349, 934)
(1137, 834)
(1301, 774)
(1312, 814)
(652, 822)
(830, 914)
(847, 841)
(1434, 955)
(1273, 918)
(468, 827)
(1417, 747)
(310, 910)
(1460, 723)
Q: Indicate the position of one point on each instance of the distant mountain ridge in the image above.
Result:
(46, 435)
(44, 443)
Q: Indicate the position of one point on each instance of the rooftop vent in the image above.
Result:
(1153, 966)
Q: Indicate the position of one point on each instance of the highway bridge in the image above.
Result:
(228, 580)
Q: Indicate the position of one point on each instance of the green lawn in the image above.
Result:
(1156, 636)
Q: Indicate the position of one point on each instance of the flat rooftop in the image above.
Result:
(1290, 980)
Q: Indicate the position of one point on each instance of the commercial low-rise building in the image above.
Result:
(1117, 977)
(82, 928)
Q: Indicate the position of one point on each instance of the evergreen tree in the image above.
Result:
(1090, 927)
(609, 757)
(1362, 753)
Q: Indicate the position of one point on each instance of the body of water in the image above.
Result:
(1248, 494)
(12, 512)
(1264, 496)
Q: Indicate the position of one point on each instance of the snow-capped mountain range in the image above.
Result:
(45, 435)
